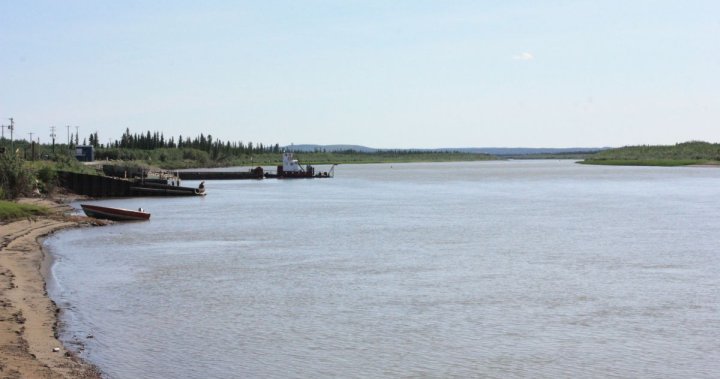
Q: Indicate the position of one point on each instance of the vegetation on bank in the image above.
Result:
(646, 162)
(16, 179)
(10, 210)
(681, 154)
(20, 177)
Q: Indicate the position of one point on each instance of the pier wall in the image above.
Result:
(104, 186)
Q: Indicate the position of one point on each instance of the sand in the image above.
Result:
(29, 347)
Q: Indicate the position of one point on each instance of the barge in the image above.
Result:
(255, 173)
(104, 186)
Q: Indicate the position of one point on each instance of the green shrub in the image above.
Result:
(48, 179)
(15, 179)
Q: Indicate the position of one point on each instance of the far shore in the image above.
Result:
(650, 163)
(29, 347)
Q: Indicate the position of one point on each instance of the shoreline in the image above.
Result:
(29, 319)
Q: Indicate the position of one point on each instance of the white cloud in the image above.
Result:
(525, 56)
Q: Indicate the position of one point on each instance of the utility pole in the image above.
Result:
(68, 133)
(32, 147)
(52, 135)
(12, 127)
(2, 139)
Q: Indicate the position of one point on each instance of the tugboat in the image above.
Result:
(291, 169)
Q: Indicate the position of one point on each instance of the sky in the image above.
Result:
(378, 73)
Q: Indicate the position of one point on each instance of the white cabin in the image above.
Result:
(290, 164)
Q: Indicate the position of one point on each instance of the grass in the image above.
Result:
(10, 210)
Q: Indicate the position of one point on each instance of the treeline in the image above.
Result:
(203, 150)
(156, 140)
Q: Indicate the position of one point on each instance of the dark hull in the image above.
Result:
(290, 176)
(308, 173)
(115, 214)
(166, 190)
(256, 173)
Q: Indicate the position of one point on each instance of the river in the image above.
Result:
(481, 269)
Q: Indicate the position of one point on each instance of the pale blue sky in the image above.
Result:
(387, 74)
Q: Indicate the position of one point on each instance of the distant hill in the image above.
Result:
(498, 151)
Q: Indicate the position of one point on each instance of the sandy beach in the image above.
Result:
(28, 318)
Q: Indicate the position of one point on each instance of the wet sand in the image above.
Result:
(29, 347)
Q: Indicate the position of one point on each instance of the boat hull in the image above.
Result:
(114, 214)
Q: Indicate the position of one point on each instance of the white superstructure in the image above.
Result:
(290, 164)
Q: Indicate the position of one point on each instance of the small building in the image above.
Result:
(85, 153)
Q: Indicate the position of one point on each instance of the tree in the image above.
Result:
(94, 140)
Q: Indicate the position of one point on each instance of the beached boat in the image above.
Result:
(115, 214)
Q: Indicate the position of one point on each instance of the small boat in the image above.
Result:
(115, 214)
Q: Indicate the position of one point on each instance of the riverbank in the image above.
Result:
(651, 162)
(694, 153)
(29, 347)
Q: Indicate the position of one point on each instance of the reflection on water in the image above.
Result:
(488, 269)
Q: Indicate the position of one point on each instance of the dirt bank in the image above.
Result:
(28, 318)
